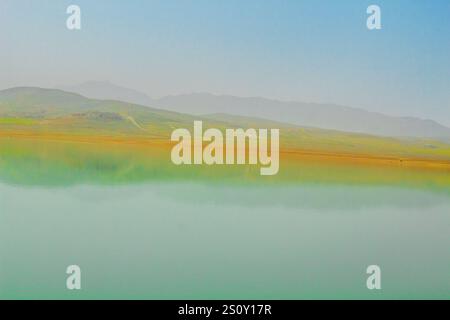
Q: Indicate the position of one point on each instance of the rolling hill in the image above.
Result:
(52, 109)
(38, 111)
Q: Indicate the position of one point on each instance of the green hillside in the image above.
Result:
(50, 109)
(54, 111)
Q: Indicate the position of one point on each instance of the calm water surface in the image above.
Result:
(189, 241)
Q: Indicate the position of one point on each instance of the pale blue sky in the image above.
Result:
(315, 50)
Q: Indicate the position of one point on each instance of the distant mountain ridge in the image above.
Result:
(105, 90)
(325, 116)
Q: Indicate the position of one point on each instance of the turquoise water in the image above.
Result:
(191, 241)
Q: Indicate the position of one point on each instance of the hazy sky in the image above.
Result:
(315, 50)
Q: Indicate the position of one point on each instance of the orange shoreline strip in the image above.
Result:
(309, 155)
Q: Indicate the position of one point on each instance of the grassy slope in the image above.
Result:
(54, 111)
